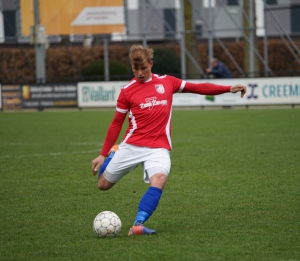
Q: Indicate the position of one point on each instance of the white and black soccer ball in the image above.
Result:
(107, 224)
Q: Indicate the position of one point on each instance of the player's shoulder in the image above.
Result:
(158, 76)
(167, 78)
(129, 84)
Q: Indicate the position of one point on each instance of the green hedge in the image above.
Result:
(95, 71)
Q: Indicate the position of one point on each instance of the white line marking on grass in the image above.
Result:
(47, 154)
(71, 143)
(86, 143)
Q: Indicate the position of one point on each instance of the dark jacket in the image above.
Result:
(221, 71)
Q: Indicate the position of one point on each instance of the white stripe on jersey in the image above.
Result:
(160, 77)
(182, 86)
(121, 110)
(134, 127)
(128, 84)
(168, 128)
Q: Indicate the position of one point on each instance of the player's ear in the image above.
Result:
(151, 63)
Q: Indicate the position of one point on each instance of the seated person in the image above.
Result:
(219, 69)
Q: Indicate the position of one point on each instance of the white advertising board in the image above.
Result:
(98, 94)
(260, 91)
(100, 16)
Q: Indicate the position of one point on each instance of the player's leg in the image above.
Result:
(103, 183)
(151, 198)
(115, 167)
(148, 204)
(158, 177)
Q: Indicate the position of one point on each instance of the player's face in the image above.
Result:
(142, 70)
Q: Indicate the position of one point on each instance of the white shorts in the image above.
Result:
(128, 157)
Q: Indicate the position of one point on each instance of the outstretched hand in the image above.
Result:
(239, 87)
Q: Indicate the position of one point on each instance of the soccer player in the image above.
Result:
(147, 98)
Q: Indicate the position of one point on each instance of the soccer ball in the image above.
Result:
(107, 224)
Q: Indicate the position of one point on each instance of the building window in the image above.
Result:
(169, 15)
(9, 18)
(198, 28)
(295, 18)
(271, 2)
(232, 2)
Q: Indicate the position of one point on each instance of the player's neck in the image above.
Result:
(149, 78)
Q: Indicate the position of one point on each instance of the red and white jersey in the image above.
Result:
(149, 105)
(150, 108)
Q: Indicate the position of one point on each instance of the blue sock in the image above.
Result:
(148, 204)
(105, 163)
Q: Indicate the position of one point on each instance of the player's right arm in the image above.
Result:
(112, 135)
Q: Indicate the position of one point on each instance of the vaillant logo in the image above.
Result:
(98, 94)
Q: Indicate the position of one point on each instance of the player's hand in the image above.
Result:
(97, 163)
(239, 88)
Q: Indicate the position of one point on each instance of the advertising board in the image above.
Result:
(99, 94)
(75, 16)
(49, 95)
(11, 96)
(260, 91)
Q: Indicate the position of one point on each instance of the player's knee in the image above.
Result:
(158, 180)
(103, 184)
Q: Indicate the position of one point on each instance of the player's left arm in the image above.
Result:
(206, 88)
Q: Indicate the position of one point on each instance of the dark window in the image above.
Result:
(295, 18)
(169, 15)
(232, 2)
(198, 28)
(9, 18)
(271, 2)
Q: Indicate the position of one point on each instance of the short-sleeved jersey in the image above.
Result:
(149, 105)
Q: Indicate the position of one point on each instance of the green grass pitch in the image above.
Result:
(233, 192)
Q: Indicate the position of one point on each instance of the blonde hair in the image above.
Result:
(138, 53)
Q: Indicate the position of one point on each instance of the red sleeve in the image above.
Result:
(205, 88)
(113, 133)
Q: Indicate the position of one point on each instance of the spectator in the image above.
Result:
(219, 69)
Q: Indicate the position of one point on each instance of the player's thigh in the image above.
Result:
(124, 161)
(157, 162)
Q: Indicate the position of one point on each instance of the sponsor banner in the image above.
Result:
(284, 90)
(100, 16)
(260, 91)
(75, 16)
(99, 94)
(49, 95)
(11, 96)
